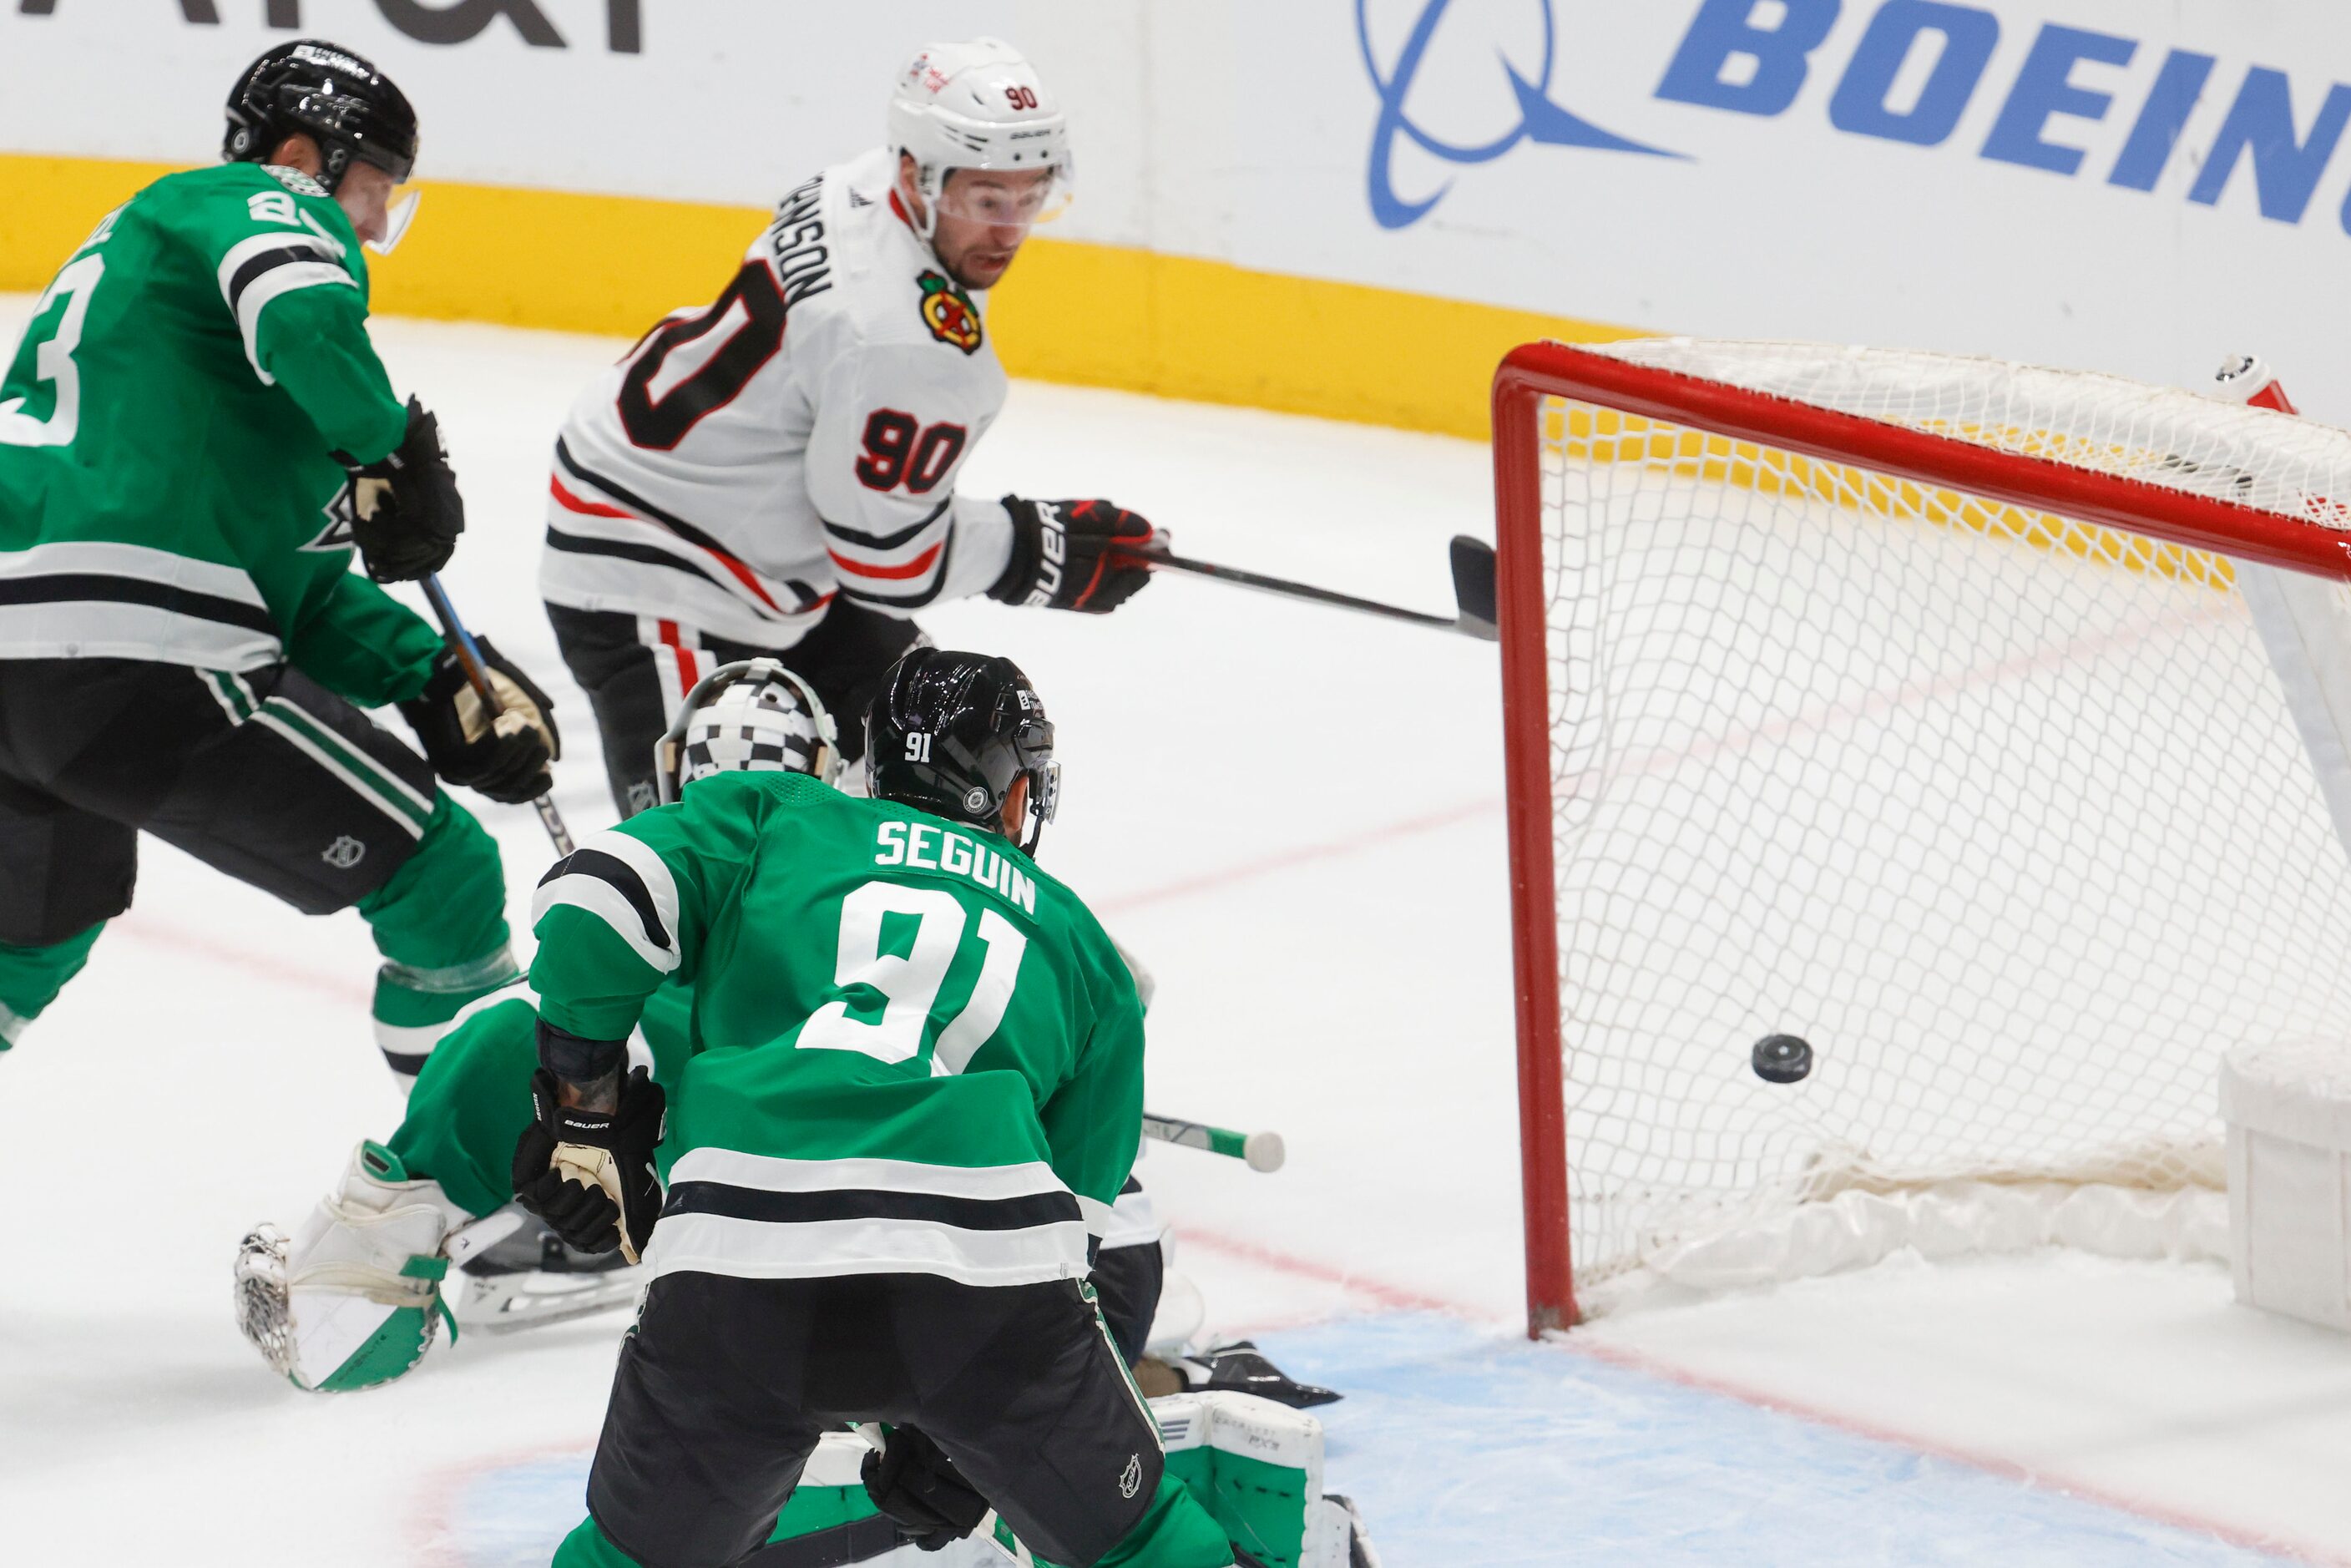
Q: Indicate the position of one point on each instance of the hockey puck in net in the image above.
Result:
(1782, 1059)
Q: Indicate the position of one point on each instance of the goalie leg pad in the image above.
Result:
(1257, 1467)
(1254, 1466)
(351, 1299)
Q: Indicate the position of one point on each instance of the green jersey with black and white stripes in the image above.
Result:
(915, 1052)
(167, 490)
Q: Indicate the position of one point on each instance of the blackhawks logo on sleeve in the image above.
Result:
(949, 313)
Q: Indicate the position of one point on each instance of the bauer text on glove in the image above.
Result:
(1073, 554)
(589, 1173)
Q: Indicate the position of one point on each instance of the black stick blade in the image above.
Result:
(1473, 587)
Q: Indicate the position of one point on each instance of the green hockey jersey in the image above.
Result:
(914, 1051)
(167, 490)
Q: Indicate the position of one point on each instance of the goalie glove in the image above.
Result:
(504, 757)
(406, 513)
(589, 1173)
(912, 1480)
(1073, 554)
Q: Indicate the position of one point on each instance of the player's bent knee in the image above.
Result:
(61, 873)
(447, 903)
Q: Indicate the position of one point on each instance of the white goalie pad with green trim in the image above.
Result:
(352, 1298)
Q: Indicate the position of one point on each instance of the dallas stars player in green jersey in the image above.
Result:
(195, 432)
(917, 1092)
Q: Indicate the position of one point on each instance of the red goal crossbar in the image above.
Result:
(1526, 377)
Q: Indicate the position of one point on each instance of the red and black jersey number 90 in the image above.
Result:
(900, 452)
(750, 314)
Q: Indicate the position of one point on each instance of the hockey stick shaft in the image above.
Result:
(469, 655)
(1263, 1151)
(1164, 560)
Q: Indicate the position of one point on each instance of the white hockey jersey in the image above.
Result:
(797, 439)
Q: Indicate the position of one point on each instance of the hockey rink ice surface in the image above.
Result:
(1294, 817)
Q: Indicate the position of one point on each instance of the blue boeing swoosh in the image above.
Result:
(1539, 119)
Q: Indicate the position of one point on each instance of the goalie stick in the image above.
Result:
(1263, 1151)
(1473, 588)
(471, 657)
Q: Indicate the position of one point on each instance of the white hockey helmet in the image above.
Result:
(977, 104)
(750, 717)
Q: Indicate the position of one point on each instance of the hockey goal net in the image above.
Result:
(1909, 705)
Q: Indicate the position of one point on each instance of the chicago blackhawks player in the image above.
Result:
(195, 432)
(350, 1299)
(776, 473)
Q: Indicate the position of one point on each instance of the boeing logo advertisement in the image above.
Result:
(2073, 100)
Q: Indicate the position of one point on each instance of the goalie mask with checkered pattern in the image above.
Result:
(752, 716)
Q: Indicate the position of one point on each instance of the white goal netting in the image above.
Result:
(2004, 813)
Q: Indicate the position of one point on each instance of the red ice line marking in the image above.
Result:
(1779, 730)
(1824, 717)
(1397, 1298)
(153, 933)
(2006, 1468)
(1249, 870)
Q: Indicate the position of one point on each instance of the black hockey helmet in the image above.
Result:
(949, 734)
(326, 92)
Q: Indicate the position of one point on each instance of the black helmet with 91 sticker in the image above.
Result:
(951, 732)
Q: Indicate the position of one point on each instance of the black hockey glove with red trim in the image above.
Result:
(589, 1173)
(406, 513)
(1073, 554)
(912, 1480)
(504, 755)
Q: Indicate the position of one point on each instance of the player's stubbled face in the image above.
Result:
(984, 215)
(365, 196)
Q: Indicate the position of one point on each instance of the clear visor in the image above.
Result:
(1050, 806)
(1044, 804)
(397, 217)
(1005, 198)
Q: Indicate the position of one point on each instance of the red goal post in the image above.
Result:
(1529, 386)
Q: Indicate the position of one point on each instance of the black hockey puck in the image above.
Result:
(1783, 1059)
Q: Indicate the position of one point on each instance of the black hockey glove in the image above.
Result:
(406, 513)
(1073, 554)
(912, 1480)
(589, 1173)
(505, 757)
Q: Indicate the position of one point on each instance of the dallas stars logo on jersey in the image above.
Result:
(341, 513)
(949, 313)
